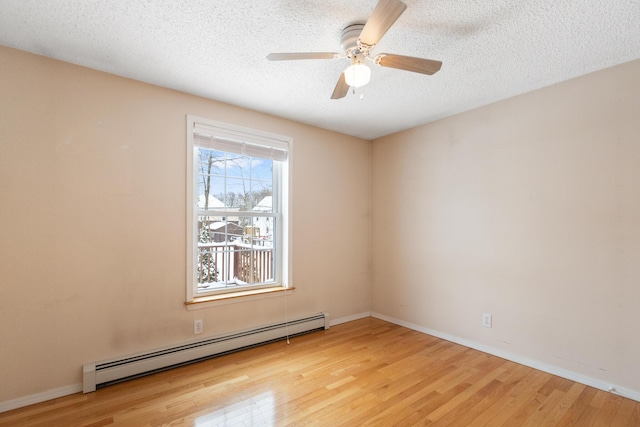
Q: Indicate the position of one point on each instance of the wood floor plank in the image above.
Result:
(634, 420)
(477, 390)
(556, 413)
(511, 400)
(574, 412)
(363, 373)
(608, 411)
(473, 409)
(625, 411)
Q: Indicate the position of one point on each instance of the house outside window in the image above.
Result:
(237, 208)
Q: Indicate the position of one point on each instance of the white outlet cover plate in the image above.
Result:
(486, 320)
(197, 326)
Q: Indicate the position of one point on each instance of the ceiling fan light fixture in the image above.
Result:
(357, 74)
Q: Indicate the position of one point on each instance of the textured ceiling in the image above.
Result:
(490, 49)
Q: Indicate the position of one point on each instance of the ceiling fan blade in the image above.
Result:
(408, 63)
(383, 17)
(302, 55)
(341, 88)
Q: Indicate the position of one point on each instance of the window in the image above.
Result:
(237, 209)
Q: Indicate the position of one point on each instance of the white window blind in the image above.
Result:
(239, 142)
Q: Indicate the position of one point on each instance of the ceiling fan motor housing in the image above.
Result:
(349, 36)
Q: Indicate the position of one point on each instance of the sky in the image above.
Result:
(235, 173)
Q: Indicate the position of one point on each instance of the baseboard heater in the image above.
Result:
(100, 374)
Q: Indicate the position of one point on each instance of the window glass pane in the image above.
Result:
(263, 231)
(236, 165)
(211, 252)
(208, 200)
(261, 238)
(245, 224)
(210, 183)
(262, 196)
(238, 193)
(262, 185)
(233, 182)
(262, 169)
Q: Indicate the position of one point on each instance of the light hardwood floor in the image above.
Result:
(366, 372)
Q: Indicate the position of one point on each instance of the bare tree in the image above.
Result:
(207, 161)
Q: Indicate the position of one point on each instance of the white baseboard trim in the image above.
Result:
(570, 375)
(9, 405)
(349, 318)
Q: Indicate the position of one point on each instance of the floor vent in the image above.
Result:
(99, 374)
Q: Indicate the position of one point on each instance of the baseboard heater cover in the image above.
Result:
(99, 374)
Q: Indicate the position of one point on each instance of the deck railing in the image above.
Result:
(231, 264)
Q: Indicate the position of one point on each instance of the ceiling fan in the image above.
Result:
(358, 40)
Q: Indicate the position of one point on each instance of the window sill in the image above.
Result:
(236, 297)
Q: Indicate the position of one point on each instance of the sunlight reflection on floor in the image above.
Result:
(257, 411)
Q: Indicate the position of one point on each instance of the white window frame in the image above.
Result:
(253, 138)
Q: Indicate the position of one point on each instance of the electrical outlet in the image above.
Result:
(197, 326)
(486, 320)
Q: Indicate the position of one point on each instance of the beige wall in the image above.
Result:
(92, 220)
(528, 209)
